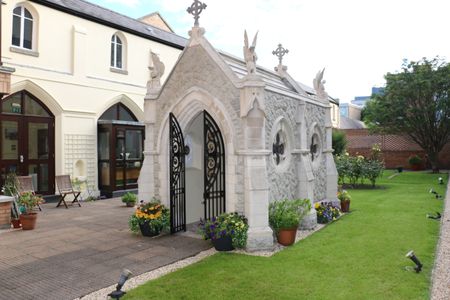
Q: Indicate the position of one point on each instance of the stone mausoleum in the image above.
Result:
(224, 135)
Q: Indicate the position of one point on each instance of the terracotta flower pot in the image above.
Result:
(130, 204)
(223, 244)
(286, 236)
(345, 205)
(28, 221)
(16, 223)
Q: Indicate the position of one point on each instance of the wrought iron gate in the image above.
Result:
(214, 168)
(177, 177)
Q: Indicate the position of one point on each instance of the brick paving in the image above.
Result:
(73, 252)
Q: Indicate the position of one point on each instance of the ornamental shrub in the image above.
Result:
(227, 224)
(326, 212)
(287, 213)
(339, 142)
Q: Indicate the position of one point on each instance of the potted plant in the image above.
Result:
(227, 231)
(326, 212)
(285, 216)
(150, 218)
(399, 169)
(345, 198)
(10, 189)
(27, 201)
(129, 199)
(415, 161)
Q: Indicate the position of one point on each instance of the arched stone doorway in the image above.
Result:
(197, 171)
(120, 150)
(27, 129)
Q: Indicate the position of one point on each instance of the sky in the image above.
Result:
(356, 41)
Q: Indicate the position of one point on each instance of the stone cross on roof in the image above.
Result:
(196, 9)
(280, 52)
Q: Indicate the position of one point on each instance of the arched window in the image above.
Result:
(118, 112)
(116, 52)
(22, 33)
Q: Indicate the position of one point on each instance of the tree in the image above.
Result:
(339, 142)
(415, 102)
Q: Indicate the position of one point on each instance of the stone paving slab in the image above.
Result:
(73, 252)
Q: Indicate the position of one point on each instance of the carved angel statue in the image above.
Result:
(250, 54)
(156, 71)
(319, 85)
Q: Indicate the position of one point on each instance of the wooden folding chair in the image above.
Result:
(65, 188)
(25, 184)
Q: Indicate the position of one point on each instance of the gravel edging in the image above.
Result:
(143, 278)
(440, 278)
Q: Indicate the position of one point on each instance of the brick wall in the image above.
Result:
(396, 148)
(5, 215)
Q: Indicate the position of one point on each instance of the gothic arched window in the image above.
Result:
(22, 28)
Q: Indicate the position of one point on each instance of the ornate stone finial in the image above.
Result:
(250, 54)
(196, 9)
(156, 72)
(319, 86)
(280, 52)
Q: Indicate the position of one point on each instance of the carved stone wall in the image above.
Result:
(198, 69)
(282, 182)
(315, 115)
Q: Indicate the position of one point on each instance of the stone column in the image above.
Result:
(304, 169)
(147, 180)
(254, 154)
(332, 175)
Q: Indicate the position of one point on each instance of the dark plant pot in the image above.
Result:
(28, 221)
(223, 244)
(16, 223)
(400, 169)
(345, 205)
(286, 236)
(130, 204)
(147, 231)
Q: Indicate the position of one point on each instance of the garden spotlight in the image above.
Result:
(436, 217)
(435, 193)
(118, 293)
(441, 180)
(413, 257)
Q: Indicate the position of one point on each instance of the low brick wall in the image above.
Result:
(396, 149)
(5, 215)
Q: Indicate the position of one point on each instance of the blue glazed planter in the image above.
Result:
(223, 244)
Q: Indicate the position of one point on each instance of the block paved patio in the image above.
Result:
(75, 251)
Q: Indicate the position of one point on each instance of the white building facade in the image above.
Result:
(78, 68)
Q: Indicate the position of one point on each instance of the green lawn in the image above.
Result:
(360, 256)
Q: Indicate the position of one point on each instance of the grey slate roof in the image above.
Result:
(113, 19)
(271, 78)
(347, 123)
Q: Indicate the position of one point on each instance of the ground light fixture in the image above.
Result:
(118, 293)
(435, 193)
(414, 258)
(436, 217)
(441, 180)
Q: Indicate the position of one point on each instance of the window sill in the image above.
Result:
(120, 71)
(24, 51)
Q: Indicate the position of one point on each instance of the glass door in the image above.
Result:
(129, 157)
(120, 156)
(38, 154)
(27, 141)
(10, 145)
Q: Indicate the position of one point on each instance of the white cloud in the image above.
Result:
(356, 41)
